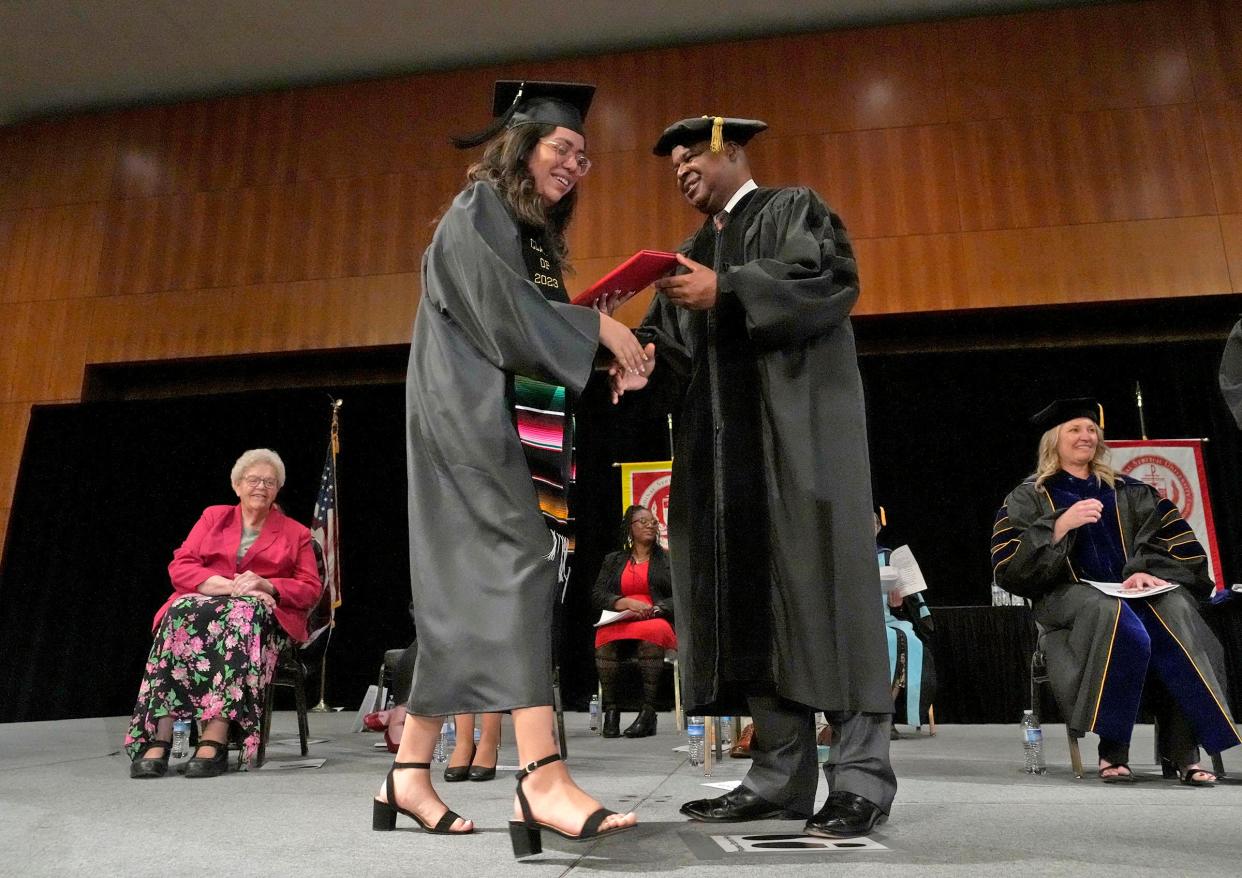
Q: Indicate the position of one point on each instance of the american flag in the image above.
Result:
(325, 527)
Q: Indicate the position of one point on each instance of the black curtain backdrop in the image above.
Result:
(107, 490)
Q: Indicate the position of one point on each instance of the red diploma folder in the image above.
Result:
(631, 276)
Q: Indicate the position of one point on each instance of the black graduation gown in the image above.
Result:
(770, 519)
(1080, 623)
(482, 580)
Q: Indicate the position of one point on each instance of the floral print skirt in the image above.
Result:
(212, 658)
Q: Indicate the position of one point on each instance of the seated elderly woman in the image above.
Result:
(1074, 521)
(243, 581)
(636, 579)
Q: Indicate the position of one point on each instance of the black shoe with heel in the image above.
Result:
(526, 834)
(612, 723)
(644, 724)
(384, 814)
(212, 766)
(458, 773)
(142, 767)
(483, 772)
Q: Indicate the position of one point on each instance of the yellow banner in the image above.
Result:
(647, 483)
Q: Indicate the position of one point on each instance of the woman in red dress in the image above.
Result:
(635, 579)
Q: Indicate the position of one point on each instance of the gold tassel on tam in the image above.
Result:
(717, 143)
(1101, 408)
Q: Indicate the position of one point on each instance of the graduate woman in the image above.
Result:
(496, 353)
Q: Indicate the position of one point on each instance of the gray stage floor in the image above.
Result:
(67, 806)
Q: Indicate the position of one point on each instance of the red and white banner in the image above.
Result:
(647, 484)
(1174, 467)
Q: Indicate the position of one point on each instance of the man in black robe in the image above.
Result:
(775, 580)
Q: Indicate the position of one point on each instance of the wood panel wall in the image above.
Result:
(1070, 155)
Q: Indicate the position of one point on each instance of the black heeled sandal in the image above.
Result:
(143, 768)
(526, 834)
(384, 814)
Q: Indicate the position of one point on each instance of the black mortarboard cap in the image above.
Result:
(1067, 410)
(524, 102)
(716, 129)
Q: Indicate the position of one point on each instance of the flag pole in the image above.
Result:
(1138, 400)
(335, 444)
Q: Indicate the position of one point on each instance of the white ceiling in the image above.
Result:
(68, 55)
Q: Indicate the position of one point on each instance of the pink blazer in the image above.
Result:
(282, 555)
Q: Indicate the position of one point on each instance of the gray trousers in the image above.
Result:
(783, 755)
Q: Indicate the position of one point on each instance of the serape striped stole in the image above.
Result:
(541, 410)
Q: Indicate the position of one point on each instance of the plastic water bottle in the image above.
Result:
(694, 732)
(443, 746)
(726, 732)
(180, 738)
(595, 713)
(1033, 744)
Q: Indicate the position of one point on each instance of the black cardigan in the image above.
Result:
(607, 590)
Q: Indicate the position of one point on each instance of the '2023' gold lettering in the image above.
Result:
(545, 280)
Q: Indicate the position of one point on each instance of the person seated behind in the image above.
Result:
(243, 581)
(909, 625)
(637, 579)
(1075, 520)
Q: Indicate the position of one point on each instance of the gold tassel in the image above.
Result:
(1101, 408)
(717, 144)
(883, 518)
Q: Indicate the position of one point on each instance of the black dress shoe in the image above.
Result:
(142, 767)
(845, 815)
(737, 806)
(211, 766)
(459, 773)
(644, 724)
(612, 723)
(482, 772)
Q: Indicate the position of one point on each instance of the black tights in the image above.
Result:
(611, 656)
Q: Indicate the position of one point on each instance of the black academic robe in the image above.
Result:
(1139, 532)
(1230, 376)
(482, 565)
(770, 520)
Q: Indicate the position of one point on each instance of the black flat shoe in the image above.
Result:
(526, 834)
(612, 723)
(1196, 777)
(1119, 777)
(458, 773)
(384, 814)
(845, 815)
(213, 766)
(738, 806)
(142, 768)
(644, 724)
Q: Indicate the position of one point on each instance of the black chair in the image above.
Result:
(1039, 677)
(291, 669)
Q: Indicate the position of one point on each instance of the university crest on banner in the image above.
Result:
(647, 484)
(1174, 467)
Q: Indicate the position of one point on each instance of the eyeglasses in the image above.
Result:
(255, 481)
(646, 522)
(563, 149)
